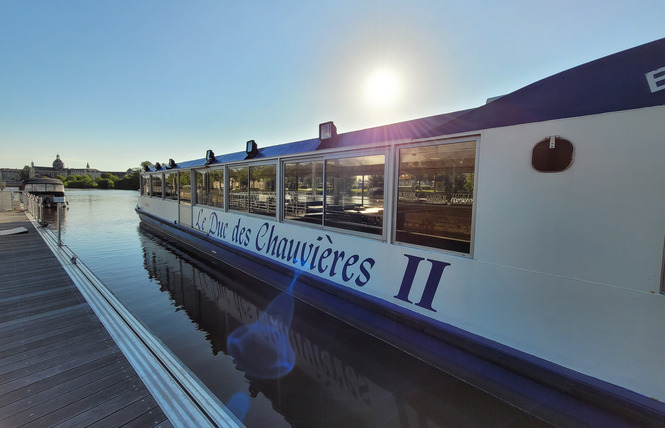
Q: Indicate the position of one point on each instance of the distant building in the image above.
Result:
(12, 177)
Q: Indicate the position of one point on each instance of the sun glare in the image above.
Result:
(382, 88)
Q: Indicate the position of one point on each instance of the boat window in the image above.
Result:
(435, 195)
(210, 187)
(303, 191)
(238, 188)
(156, 185)
(171, 185)
(354, 193)
(202, 187)
(145, 185)
(262, 194)
(185, 187)
(216, 191)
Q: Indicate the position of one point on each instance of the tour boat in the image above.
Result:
(528, 232)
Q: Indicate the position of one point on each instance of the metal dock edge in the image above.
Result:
(180, 394)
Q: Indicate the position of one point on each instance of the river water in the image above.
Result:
(340, 376)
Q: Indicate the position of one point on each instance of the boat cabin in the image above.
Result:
(46, 188)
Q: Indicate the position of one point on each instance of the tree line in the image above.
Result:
(131, 181)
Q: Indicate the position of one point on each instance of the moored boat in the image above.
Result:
(50, 190)
(529, 230)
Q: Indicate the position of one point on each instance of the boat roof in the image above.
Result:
(42, 180)
(622, 81)
(631, 79)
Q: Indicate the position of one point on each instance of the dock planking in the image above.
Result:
(58, 364)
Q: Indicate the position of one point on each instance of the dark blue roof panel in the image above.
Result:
(289, 148)
(230, 157)
(617, 82)
(191, 163)
(397, 131)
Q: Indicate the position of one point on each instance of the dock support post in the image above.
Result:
(58, 206)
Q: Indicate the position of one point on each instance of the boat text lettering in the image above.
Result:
(319, 255)
(435, 273)
(309, 255)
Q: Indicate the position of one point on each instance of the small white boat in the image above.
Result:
(50, 190)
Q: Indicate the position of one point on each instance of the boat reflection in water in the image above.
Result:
(50, 217)
(314, 369)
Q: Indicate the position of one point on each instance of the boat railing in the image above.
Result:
(33, 204)
(238, 200)
(462, 199)
(263, 202)
(254, 201)
(436, 198)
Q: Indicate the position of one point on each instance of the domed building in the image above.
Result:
(58, 164)
(58, 168)
(12, 177)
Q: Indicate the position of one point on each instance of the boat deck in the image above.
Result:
(58, 364)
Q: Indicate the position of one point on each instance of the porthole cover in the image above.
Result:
(553, 154)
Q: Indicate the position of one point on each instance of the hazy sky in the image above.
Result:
(114, 83)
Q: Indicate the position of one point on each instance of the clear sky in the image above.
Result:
(114, 83)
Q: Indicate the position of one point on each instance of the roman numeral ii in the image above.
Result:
(436, 270)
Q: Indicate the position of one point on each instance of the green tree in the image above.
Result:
(109, 176)
(468, 183)
(130, 181)
(24, 173)
(104, 183)
(80, 182)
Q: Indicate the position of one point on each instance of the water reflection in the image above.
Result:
(326, 373)
(50, 217)
(262, 349)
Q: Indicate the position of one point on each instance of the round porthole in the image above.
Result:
(553, 154)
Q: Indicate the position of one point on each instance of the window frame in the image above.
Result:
(175, 190)
(276, 183)
(223, 189)
(145, 185)
(204, 193)
(278, 188)
(383, 150)
(311, 158)
(153, 177)
(395, 191)
(181, 200)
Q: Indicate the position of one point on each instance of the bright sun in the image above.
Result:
(382, 88)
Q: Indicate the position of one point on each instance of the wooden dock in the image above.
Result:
(59, 365)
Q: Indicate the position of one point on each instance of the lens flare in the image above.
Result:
(238, 404)
(262, 349)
